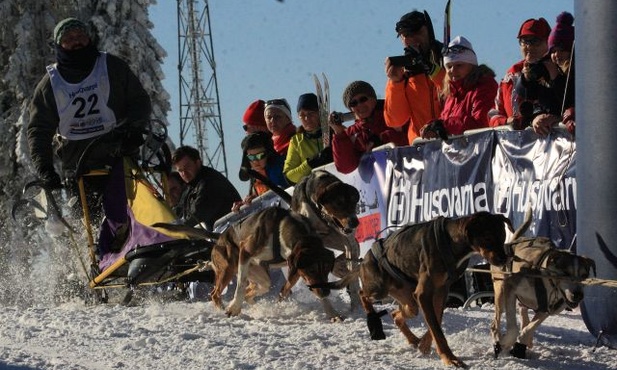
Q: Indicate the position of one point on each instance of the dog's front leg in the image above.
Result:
(425, 295)
(526, 335)
(235, 306)
(292, 280)
(352, 253)
(500, 303)
(509, 292)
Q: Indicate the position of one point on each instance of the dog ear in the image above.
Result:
(591, 264)
(508, 223)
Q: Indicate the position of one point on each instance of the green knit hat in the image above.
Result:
(68, 24)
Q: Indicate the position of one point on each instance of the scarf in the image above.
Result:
(281, 142)
(81, 60)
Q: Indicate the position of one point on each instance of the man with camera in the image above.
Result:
(414, 79)
(510, 107)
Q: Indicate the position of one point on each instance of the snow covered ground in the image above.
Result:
(158, 334)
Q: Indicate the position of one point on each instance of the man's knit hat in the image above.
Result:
(562, 34)
(68, 24)
(307, 101)
(357, 88)
(254, 114)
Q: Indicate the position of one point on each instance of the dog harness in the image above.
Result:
(443, 245)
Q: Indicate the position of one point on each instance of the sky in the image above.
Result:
(267, 49)
(157, 335)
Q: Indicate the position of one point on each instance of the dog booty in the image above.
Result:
(375, 327)
(519, 350)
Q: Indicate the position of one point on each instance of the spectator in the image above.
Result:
(89, 106)
(253, 118)
(278, 119)
(306, 148)
(259, 151)
(254, 121)
(368, 131)
(561, 48)
(532, 38)
(175, 187)
(412, 92)
(208, 195)
(469, 90)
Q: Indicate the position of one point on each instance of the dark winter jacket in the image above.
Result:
(207, 198)
(128, 100)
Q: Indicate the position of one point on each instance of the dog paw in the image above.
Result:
(337, 318)
(519, 350)
(232, 310)
(453, 361)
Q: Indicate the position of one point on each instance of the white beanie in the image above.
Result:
(460, 50)
(280, 104)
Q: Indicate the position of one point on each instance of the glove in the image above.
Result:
(131, 141)
(51, 180)
(433, 130)
(321, 158)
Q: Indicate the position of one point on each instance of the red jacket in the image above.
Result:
(361, 137)
(470, 99)
(506, 100)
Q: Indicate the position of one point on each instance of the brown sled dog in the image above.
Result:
(553, 286)
(416, 265)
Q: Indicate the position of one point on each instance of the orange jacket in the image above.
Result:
(414, 100)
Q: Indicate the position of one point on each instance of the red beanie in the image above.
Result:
(563, 34)
(254, 114)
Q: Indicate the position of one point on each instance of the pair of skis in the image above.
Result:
(323, 101)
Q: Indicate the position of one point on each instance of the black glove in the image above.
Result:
(51, 180)
(321, 158)
(132, 140)
(436, 127)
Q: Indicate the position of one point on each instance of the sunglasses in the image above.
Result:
(256, 156)
(531, 41)
(356, 102)
(457, 49)
(282, 102)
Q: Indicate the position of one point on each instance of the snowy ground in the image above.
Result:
(156, 334)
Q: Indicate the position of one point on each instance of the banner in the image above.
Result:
(503, 172)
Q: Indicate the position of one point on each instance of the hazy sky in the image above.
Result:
(270, 49)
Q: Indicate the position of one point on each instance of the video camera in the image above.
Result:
(412, 61)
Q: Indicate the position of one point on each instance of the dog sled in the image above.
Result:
(123, 249)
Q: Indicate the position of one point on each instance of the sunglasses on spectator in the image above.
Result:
(457, 49)
(531, 41)
(256, 156)
(277, 102)
(356, 102)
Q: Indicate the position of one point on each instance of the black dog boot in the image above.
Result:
(518, 350)
(375, 327)
(497, 349)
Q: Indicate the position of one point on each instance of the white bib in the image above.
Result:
(82, 107)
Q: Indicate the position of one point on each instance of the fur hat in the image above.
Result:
(308, 102)
(280, 104)
(535, 27)
(68, 24)
(357, 88)
(562, 34)
(460, 50)
(254, 114)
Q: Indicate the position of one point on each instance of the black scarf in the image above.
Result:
(80, 60)
(313, 135)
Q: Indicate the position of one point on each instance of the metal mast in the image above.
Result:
(200, 110)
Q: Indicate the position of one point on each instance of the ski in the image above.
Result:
(323, 100)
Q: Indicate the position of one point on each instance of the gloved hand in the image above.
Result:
(321, 158)
(434, 130)
(51, 180)
(132, 140)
